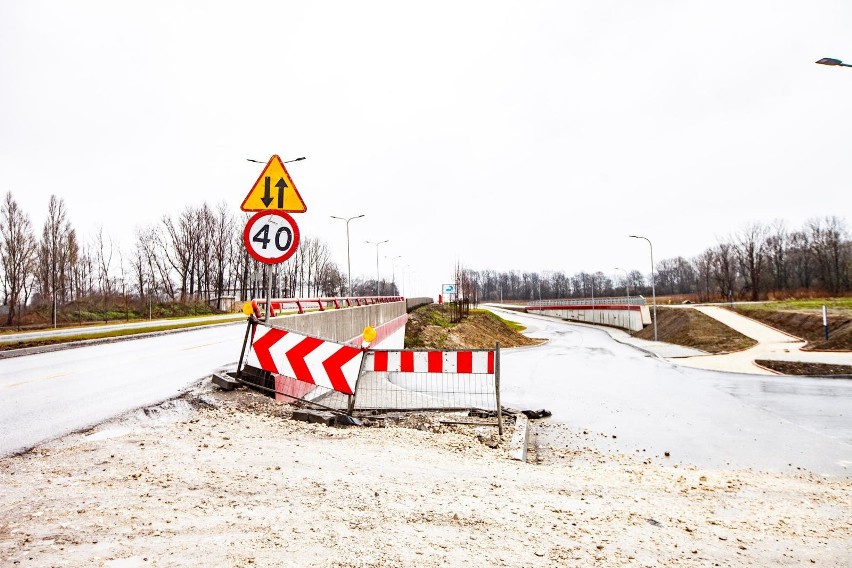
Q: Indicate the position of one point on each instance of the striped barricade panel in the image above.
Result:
(434, 380)
(312, 360)
(459, 362)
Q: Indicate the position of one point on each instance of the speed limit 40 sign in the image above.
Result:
(271, 236)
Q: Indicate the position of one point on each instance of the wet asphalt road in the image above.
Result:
(44, 396)
(706, 418)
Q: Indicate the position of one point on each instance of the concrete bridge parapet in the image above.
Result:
(346, 325)
(627, 313)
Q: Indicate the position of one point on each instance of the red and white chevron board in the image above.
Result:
(461, 362)
(309, 359)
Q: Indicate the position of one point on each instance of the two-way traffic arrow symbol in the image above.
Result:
(267, 192)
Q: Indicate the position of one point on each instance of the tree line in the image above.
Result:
(757, 262)
(197, 255)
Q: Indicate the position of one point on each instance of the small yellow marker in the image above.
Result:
(369, 334)
(247, 309)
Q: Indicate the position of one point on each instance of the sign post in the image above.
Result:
(271, 235)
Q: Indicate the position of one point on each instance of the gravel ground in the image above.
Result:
(227, 479)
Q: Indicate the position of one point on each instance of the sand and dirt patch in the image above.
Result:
(227, 479)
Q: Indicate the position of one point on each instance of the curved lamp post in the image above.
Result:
(377, 261)
(348, 262)
(833, 62)
(653, 290)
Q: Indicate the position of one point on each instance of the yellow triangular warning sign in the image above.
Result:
(274, 190)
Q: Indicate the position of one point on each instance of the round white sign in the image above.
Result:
(271, 236)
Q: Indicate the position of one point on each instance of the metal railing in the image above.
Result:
(301, 304)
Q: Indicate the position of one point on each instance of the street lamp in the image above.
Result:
(285, 162)
(393, 268)
(348, 263)
(377, 261)
(833, 62)
(653, 290)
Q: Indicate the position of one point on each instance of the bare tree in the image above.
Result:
(704, 269)
(53, 254)
(750, 249)
(103, 253)
(777, 244)
(179, 247)
(724, 269)
(829, 240)
(17, 253)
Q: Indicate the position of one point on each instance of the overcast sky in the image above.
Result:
(500, 135)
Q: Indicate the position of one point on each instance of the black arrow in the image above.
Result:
(280, 185)
(267, 199)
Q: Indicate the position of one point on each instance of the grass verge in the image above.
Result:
(807, 369)
(691, 328)
(83, 335)
(803, 318)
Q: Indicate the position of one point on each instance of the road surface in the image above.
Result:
(632, 401)
(44, 396)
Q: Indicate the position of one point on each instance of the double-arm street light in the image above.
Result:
(348, 262)
(377, 243)
(653, 290)
(284, 162)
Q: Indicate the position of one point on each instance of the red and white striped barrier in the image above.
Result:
(309, 359)
(460, 362)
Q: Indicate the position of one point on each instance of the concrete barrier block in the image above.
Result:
(314, 416)
(224, 381)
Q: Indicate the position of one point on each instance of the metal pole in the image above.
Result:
(251, 321)
(825, 322)
(268, 271)
(348, 261)
(497, 388)
(593, 298)
(377, 262)
(653, 288)
(348, 258)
